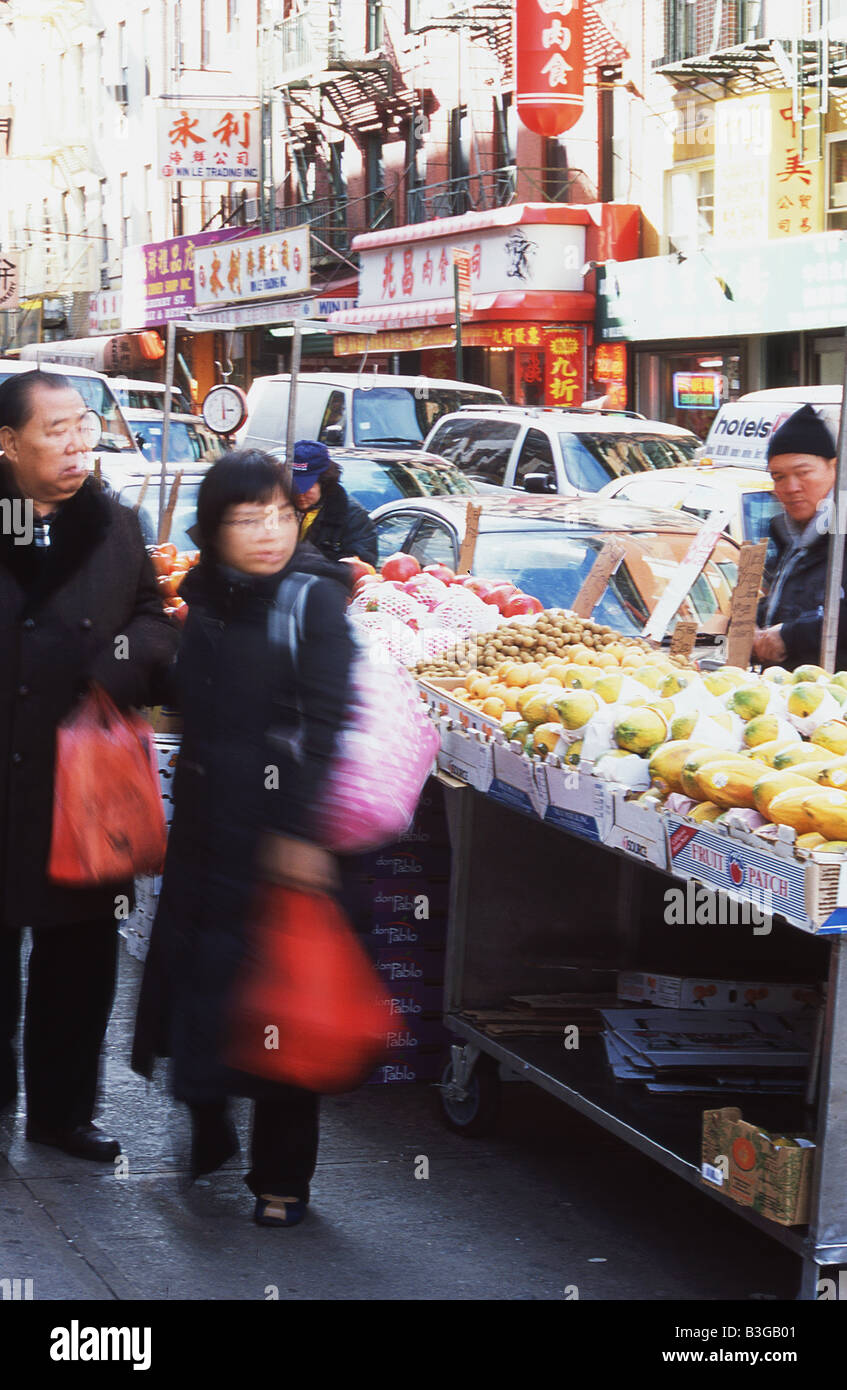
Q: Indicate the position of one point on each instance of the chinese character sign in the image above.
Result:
(462, 262)
(795, 187)
(253, 268)
(216, 143)
(565, 377)
(549, 64)
(9, 281)
(158, 279)
(697, 390)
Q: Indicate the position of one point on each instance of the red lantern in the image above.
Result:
(549, 64)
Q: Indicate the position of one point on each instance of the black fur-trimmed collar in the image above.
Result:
(81, 523)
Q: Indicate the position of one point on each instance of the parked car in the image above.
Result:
(570, 452)
(547, 545)
(147, 395)
(741, 429)
(747, 493)
(116, 441)
(369, 409)
(140, 489)
(189, 439)
(376, 476)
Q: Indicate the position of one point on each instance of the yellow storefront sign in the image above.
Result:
(768, 180)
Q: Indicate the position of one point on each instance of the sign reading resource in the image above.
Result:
(697, 390)
(209, 143)
(253, 268)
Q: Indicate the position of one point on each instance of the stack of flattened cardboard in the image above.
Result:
(542, 1014)
(688, 1051)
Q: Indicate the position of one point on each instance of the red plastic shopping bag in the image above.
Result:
(309, 1009)
(108, 817)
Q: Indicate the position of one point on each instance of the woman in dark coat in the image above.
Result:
(335, 523)
(239, 698)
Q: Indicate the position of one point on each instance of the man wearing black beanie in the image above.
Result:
(801, 462)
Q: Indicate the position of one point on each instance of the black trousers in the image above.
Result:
(283, 1144)
(70, 991)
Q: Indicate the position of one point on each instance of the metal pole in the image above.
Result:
(835, 560)
(458, 313)
(296, 350)
(170, 354)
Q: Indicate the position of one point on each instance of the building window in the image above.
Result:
(146, 49)
(148, 201)
(205, 35)
(375, 175)
(374, 34)
(836, 182)
(126, 213)
(690, 206)
(123, 58)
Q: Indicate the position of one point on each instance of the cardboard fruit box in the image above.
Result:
(437, 695)
(743, 1161)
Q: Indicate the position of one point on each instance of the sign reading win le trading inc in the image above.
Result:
(209, 143)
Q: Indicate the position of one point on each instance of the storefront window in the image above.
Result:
(687, 388)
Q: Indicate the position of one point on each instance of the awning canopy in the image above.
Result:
(120, 353)
(468, 223)
(555, 307)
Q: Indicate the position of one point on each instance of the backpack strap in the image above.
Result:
(286, 630)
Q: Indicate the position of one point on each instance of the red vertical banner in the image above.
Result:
(610, 371)
(549, 64)
(565, 375)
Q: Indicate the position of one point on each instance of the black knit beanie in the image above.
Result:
(804, 432)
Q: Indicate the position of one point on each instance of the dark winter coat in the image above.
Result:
(343, 527)
(235, 692)
(800, 609)
(61, 608)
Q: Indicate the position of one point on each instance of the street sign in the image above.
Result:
(221, 142)
(10, 276)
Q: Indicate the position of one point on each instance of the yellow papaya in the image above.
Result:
(827, 811)
(665, 765)
(727, 783)
(773, 782)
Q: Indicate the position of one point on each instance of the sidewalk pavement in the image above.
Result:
(546, 1203)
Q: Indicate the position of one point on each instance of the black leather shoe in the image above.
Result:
(85, 1141)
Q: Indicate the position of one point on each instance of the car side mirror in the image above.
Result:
(333, 435)
(539, 482)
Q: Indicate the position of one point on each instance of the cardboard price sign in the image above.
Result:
(683, 638)
(168, 514)
(745, 600)
(468, 546)
(676, 591)
(596, 581)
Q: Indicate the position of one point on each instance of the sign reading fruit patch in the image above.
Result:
(768, 880)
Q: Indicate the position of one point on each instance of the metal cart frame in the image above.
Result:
(497, 938)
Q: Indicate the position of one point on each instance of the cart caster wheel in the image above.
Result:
(474, 1112)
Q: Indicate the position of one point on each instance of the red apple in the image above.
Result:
(359, 567)
(400, 567)
(500, 595)
(521, 603)
(442, 572)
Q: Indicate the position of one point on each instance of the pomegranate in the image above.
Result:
(400, 567)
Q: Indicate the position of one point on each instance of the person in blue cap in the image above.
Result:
(802, 463)
(330, 519)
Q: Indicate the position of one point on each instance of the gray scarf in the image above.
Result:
(803, 534)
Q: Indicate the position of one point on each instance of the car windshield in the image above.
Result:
(373, 483)
(186, 442)
(116, 438)
(405, 414)
(185, 513)
(592, 460)
(137, 398)
(552, 567)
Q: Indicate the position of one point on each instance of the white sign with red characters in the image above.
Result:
(223, 142)
(538, 256)
(253, 268)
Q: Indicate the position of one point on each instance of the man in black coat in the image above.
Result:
(335, 523)
(79, 604)
(801, 461)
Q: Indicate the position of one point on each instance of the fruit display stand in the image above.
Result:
(553, 894)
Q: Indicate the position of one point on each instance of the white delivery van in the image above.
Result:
(367, 409)
(741, 429)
